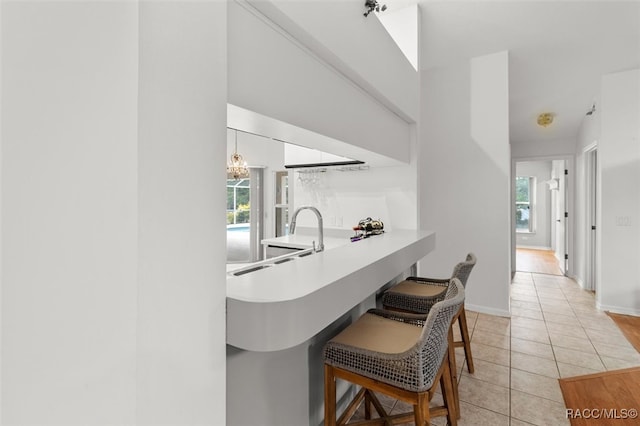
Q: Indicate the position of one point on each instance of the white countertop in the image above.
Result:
(282, 306)
(303, 241)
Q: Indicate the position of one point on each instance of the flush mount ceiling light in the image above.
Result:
(372, 5)
(237, 167)
(545, 119)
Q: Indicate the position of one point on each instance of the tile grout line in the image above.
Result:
(586, 334)
(550, 344)
(547, 328)
(510, 353)
(510, 359)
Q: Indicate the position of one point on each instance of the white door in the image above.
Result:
(560, 215)
(592, 194)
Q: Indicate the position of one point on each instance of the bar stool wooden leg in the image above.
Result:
(421, 410)
(453, 413)
(466, 340)
(451, 354)
(367, 406)
(329, 396)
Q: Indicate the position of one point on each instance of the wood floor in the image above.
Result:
(537, 261)
(630, 327)
(616, 392)
(613, 393)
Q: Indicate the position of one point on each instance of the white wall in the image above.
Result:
(402, 25)
(182, 292)
(69, 219)
(1, 209)
(465, 175)
(274, 76)
(543, 148)
(359, 48)
(541, 238)
(257, 150)
(619, 164)
(113, 275)
(344, 198)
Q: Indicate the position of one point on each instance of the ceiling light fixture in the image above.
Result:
(372, 5)
(545, 119)
(237, 167)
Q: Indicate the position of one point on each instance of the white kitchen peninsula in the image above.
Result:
(279, 318)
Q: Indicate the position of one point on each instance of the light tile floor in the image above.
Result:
(555, 331)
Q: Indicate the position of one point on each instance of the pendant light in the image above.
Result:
(237, 167)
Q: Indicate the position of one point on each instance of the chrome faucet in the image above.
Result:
(292, 226)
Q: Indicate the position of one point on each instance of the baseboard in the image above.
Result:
(486, 310)
(533, 247)
(578, 280)
(618, 310)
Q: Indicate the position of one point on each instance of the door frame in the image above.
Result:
(569, 207)
(592, 192)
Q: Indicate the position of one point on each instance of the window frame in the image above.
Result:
(532, 206)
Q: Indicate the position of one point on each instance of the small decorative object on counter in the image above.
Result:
(366, 228)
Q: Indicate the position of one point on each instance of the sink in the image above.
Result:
(263, 264)
(243, 271)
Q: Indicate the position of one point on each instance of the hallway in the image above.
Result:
(537, 261)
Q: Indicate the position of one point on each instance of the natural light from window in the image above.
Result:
(524, 203)
(401, 22)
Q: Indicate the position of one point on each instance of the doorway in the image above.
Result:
(538, 261)
(591, 218)
(541, 208)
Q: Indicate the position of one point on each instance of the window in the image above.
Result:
(238, 201)
(282, 203)
(524, 203)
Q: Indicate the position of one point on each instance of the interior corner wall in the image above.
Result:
(269, 73)
(181, 345)
(465, 175)
(619, 166)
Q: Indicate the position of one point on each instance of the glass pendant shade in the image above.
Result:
(237, 167)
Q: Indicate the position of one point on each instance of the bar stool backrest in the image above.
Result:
(462, 270)
(414, 369)
(435, 332)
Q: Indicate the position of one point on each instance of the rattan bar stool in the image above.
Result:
(417, 295)
(399, 354)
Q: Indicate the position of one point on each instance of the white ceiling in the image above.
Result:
(558, 52)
